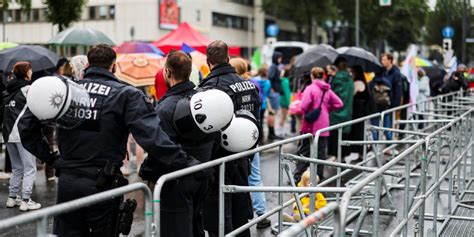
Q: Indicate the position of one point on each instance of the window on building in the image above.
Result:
(103, 12)
(35, 15)
(112, 12)
(244, 2)
(92, 13)
(9, 16)
(230, 21)
(26, 16)
(43, 14)
(18, 15)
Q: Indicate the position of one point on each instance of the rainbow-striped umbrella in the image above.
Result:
(421, 62)
(137, 47)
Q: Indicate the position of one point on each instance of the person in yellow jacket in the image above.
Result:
(305, 202)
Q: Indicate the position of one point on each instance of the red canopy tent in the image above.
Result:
(186, 34)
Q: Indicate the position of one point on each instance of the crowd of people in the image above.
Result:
(341, 94)
(91, 156)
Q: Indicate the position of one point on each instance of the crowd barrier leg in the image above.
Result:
(280, 195)
(295, 195)
(221, 200)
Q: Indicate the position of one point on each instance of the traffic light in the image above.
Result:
(447, 45)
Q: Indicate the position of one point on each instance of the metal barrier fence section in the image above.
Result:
(40, 216)
(434, 163)
(425, 165)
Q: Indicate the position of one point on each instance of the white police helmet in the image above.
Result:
(59, 101)
(242, 133)
(211, 110)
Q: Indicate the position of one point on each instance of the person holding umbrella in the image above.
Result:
(318, 95)
(343, 86)
(363, 106)
(23, 162)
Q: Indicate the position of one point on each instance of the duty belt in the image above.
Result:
(90, 172)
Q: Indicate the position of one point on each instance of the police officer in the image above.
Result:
(182, 199)
(238, 208)
(92, 153)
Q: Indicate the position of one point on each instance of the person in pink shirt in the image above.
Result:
(317, 95)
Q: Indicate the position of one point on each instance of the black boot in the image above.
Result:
(264, 223)
(272, 135)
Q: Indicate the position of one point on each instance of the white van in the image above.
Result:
(289, 49)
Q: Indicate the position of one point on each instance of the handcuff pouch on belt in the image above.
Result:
(110, 177)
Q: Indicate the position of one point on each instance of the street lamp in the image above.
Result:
(464, 32)
(357, 22)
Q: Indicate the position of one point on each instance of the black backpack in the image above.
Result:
(381, 94)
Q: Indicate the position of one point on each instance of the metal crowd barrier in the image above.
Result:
(457, 134)
(221, 163)
(41, 216)
(417, 139)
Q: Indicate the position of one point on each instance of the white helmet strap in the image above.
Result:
(65, 98)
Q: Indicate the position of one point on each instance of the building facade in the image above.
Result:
(238, 22)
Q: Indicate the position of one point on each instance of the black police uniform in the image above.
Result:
(182, 199)
(238, 206)
(116, 110)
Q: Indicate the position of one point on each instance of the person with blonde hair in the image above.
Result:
(255, 179)
(305, 201)
(241, 67)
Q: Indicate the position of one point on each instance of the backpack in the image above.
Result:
(381, 94)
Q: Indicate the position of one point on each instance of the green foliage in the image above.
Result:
(448, 13)
(304, 13)
(399, 24)
(408, 20)
(64, 12)
(25, 4)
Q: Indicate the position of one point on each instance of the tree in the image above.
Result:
(25, 4)
(399, 24)
(304, 13)
(64, 12)
(448, 13)
(407, 26)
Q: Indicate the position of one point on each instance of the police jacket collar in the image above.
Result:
(220, 70)
(99, 73)
(16, 84)
(179, 88)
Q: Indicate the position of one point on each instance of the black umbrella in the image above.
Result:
(318, 56)
(40, 58)
(361, 57)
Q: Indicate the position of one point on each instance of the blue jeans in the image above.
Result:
(274, 98)
(387, 123)
(259, 202)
